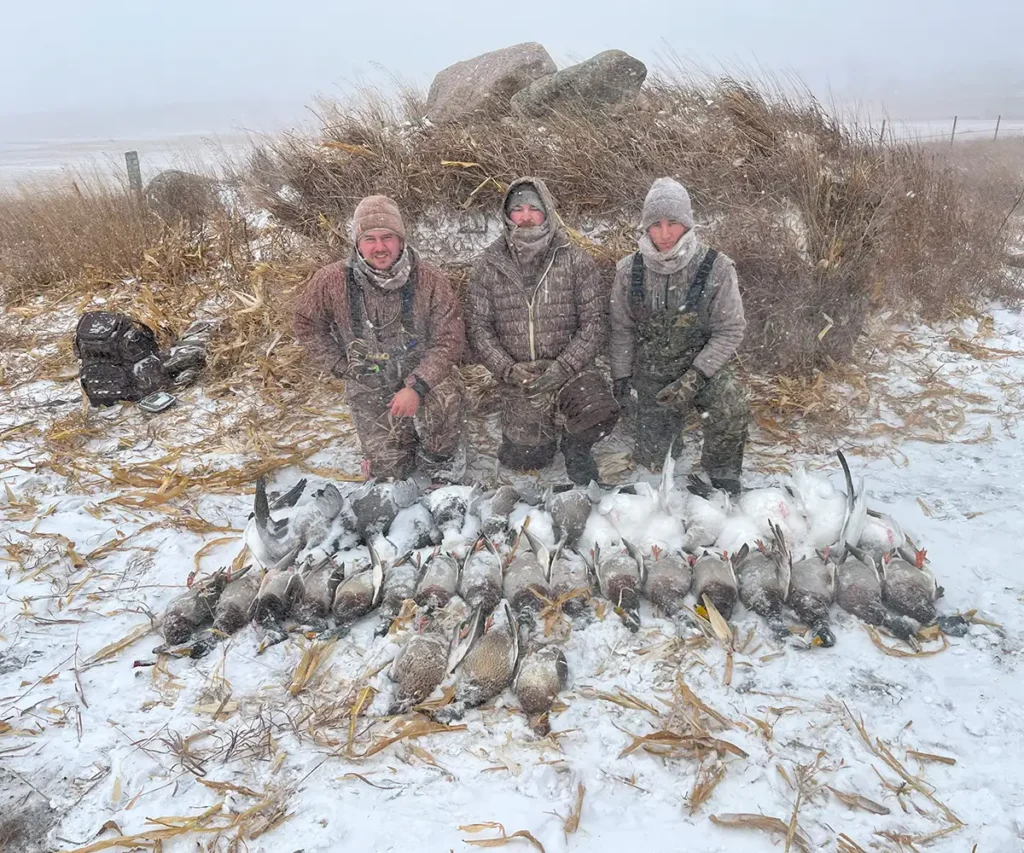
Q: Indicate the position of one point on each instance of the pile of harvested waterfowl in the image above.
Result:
(481, 577)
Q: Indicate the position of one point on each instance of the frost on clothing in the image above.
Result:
(537, 300)
(513, 317)
(323, 319)
(387, 351)
(657, 340)
(726, 322)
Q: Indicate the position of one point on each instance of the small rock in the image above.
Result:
(486, 83)
(612, 77)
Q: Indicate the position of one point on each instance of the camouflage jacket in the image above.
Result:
(323, 320)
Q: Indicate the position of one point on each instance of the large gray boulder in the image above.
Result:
(175, 196)
(486, 83)
(608, 79)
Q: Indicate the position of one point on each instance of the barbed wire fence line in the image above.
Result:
(950, 130)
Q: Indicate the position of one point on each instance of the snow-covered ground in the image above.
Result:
(868, 750)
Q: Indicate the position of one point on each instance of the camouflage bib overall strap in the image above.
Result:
(382, 361)
(667, 342)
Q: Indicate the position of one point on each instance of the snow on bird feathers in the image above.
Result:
(823, 505)
(302, 528)
(537, 519)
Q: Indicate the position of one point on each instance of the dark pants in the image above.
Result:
(725, 415)
(531, 425)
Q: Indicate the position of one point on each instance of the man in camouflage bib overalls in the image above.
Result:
(387, 322)
(676, 323)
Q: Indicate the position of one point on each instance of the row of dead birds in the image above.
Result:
(457, 554)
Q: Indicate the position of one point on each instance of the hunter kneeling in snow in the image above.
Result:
(676, 323)
(536, 320)
(388, 323)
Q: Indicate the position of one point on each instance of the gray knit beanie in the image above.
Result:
(667, 199)
(524, 194)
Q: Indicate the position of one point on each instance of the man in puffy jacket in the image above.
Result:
(676, 323)
(536, 320)
(388, 323)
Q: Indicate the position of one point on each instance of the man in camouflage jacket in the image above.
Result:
(676, 323)
(536, 319)
(388, 323)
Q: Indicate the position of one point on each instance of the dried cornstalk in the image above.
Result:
(620, 697)
(899, 653)
(928, 756)
(417, 727)
(572, 821)
(856, 801)
(709, 774)
(718, 623)
(502, 840)
(108, 651)
(845, 844)
(881, 751)
(313, 657)
(764, 823)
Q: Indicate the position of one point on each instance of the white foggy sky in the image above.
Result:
(113, 55)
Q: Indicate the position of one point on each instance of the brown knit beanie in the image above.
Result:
(377, 212)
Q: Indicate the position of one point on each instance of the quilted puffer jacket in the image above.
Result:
(561, 315)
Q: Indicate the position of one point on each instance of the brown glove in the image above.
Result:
(551, 379)
(521, 374)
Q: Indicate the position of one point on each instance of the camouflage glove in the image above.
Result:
(550, 380)
(680, 394)
(622, 390)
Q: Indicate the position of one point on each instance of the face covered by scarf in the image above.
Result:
(667, 263)
(529, 246)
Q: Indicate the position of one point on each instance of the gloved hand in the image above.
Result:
(622, 390)
(521, 374)
(550, 380)
(680, 394)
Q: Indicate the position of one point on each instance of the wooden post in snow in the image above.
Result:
(998, 120)
(131, 159)
(953, 134)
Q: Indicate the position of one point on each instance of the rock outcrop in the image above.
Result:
(607, 79)
(486, 83)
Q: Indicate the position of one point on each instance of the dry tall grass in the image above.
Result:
(70, 245)
(824, 224)
(49, 236)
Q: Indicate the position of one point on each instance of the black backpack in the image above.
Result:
(120, 358)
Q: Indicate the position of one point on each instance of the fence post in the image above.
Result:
(881, 136)
(998, 120)
(131, 159)
(953, 134)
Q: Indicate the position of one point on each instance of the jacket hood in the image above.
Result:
(548, 200)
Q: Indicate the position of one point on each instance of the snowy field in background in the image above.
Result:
(240, 742)
(33, 159)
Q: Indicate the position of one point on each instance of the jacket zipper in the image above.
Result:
(530, 303)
